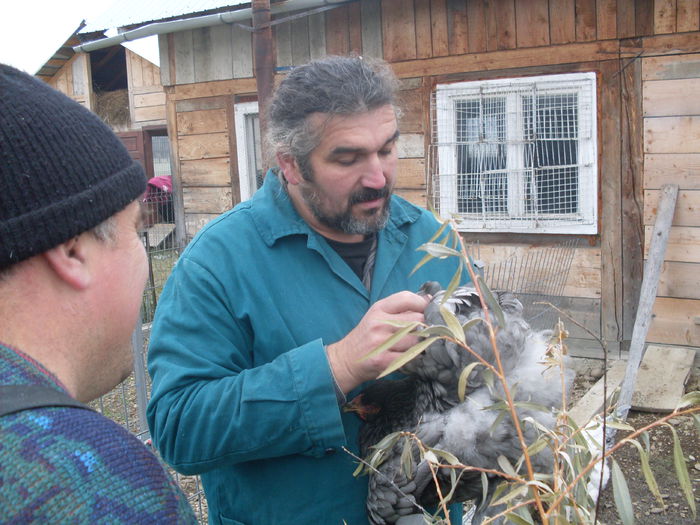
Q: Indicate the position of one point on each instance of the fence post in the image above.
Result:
(140, 373)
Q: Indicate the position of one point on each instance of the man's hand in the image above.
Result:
(344, 356)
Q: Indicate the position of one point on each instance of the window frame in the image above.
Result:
(246, 179)
(585, 220)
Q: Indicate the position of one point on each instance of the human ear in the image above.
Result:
(289, 167)
(68, 261)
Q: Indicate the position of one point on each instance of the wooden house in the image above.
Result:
(536, 121)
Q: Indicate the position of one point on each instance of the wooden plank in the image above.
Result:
(687, 15)
(207, 200)
(632, 172)
(520, 58)
(203, 146)
(562, 16)
(135, 68)
(662, 377)
(673, 44)
(647, 295)
(491, 26)
(206, 172)
(283, 44)
(222, 52)
(317, 36)
(626, 26)
(149, 113)
(202, 54)
(150, 99)
(687, 212)
(411, 174)
(201, 122)
(242, 48)
(532, 23)
(200, 104)
(679, 280)
(591, 404)
(644, 17)
(411, 104)
(664, 16)
(505, 24)
(683, 243)
(611, 234)
(672, 134)
(164, 54)
(355, 28)
(184, 58)
(214, 88)
(337, 37)
(476, 27)
(585, 21)
(438, 28)
(301, 53)
(606, 19)
(411, 145)
(424, 44)
(457, 27)
(372, 28)
(196, 221)
(682, 169)
(675, 322)
(671, 97)
(417, 197)
(671, 67)
(398, 30)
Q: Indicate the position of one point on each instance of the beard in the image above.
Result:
(370, 222)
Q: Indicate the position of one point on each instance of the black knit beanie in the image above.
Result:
(62, 170)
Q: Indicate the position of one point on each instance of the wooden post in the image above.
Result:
(650, 282)
(263, 62)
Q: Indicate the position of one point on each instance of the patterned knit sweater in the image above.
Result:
(69, 465)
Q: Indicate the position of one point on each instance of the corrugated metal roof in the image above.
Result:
(131, 12)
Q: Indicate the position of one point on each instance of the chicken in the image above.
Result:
(426, 403)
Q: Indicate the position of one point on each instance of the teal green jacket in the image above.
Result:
(242, 390)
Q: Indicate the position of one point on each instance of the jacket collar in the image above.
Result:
(275, 216)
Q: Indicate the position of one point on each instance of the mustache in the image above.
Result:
(369, 194)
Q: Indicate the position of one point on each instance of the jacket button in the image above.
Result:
(329, 451)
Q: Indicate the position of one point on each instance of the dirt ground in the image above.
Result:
(647, 510)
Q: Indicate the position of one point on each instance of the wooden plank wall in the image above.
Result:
(146, 94)
(672, 155)
(74, 80)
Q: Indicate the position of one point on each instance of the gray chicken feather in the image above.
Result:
(426, 402)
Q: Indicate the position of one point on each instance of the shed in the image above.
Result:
(535, 121)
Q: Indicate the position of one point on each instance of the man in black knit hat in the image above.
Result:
(72, 272)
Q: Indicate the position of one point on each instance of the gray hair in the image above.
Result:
(333, 85)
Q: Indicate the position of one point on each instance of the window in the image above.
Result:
(517, 155)
(249, 147)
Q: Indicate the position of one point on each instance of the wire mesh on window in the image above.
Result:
(161, 155)
(514, 154)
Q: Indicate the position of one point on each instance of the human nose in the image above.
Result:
(374, 176)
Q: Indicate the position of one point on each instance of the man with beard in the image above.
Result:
(260, 329)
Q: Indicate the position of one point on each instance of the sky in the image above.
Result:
(32, 30)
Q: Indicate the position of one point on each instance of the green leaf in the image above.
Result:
(682, 471)
(439, 231)
(427, 257)
(447, 456)
(452, 324)
(438, 330)
(463, 378)
(515, 492)
(538, 446)
(648, 474)
(454, 282)
(696, 418)
(387, 441)
(391, 341)
(690, 399)
(621, 493)
(619, 425)
(491, 301)
(518, 520)
(407, 458)
(407, 356)
(438, 250)
(466, 326)
(506, 466)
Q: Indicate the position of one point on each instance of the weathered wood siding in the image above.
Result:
(430, 42)
(672, 155)
(75, 80)
(146, 95)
